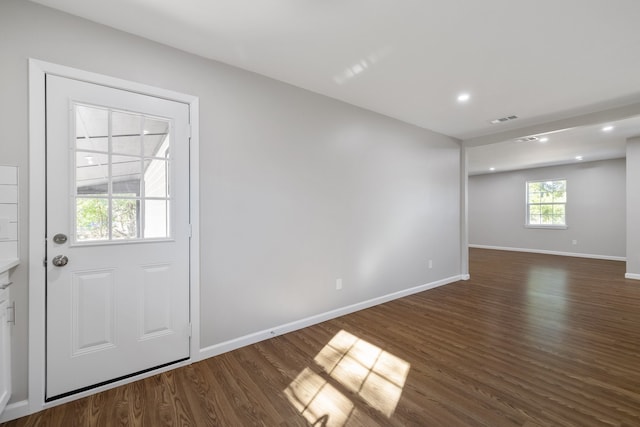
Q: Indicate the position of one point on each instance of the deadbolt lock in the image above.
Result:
(60, 238)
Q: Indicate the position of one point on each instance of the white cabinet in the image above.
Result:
(8, 260)
(5, 342)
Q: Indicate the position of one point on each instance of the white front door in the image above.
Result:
(117, 234)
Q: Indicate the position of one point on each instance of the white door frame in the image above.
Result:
(37, 278)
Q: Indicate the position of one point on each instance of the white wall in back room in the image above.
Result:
(596, 204)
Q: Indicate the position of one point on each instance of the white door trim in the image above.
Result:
(37, 155)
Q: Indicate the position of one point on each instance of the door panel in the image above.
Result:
(93, 317)
(118, 189)
(155, 309)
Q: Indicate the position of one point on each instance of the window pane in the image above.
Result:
(92, 219)
(126, 145)
(534, 219)
(535, 187)
(125, 124)
(124, 218)
(156, 137)
(156, 178)
(126, 173)
(546, 197)
(534, 209)
(156, 145)
(95, 144)
(559, 214)
(534, 197)
(156, 218)
(560, 197)
(546, 214)
(156, 126)
(92, 173)
(126, 130)
(92, 128)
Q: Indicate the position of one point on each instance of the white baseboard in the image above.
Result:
(14, 411)
(255, 337)
(632, 276)
(542, 251)
(22, 408)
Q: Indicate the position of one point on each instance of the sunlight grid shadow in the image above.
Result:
(362, 368)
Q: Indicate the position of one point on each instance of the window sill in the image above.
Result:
(548, 227)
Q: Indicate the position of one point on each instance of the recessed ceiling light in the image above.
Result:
(578, 158)
(544, 139)
(464, 97)
(492, 169)
(607, 128)
(357, 68)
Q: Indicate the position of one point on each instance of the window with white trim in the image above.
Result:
(547, 203)
(122, 176)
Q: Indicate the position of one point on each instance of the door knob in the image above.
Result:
(60, 260)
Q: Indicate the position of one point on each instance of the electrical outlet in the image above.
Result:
(338, 284)
(574, 242)
(430, 263)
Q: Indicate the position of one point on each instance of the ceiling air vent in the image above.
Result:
(502, 120)
(527, 139)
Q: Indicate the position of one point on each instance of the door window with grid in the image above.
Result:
(122, 166)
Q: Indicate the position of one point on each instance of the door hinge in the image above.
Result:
(190, 231)
(189, 329)
(12, 319)
(188, 130)
(44, 262)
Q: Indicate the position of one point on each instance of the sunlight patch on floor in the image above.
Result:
(318, 401)
(357, 365)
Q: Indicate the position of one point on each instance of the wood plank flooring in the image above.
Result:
(531, 340)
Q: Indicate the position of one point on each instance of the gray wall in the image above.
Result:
(595, 209)
(633, 207)
(296, 189)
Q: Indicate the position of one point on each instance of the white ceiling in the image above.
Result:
(540, 60)
(579, 144)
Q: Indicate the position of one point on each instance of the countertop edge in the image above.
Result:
(8, 264)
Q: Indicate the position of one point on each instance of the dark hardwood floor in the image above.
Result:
(531, 340)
